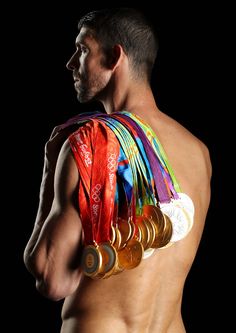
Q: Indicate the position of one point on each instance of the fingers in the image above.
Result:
(57, 138)
(63, 131)
(53, 145)
(54, 131)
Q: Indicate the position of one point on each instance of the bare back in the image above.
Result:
(148, 299)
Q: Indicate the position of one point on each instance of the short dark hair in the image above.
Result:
(131, 29)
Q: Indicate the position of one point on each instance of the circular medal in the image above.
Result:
(143, 231)
(156, 215)
(168, 231)
(158, 222)
(157, 236)
(109, 256)
(91, 261)
(153, 212)
(112, 234)
(133, 228)
(190, 219)
(186, 202)
(179, 221)
(117, 242)
(131, 255)
(152, 230)
(118, 269)
(125, 230)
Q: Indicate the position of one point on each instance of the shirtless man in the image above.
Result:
(115, 52)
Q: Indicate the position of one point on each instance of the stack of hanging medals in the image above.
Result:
(129, 201)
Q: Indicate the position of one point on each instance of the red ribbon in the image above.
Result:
(96, 150)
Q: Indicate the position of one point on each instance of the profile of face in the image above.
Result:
(90, 73)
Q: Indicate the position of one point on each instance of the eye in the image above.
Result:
(83, 49)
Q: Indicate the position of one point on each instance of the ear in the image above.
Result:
(115, 57)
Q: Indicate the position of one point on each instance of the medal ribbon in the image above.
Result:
(81, 146)
(147, 152)
(143, 166)
(137, 191)
(96, 152)
(151, 135)
(140, 152)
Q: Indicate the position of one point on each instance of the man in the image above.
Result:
(112, 63)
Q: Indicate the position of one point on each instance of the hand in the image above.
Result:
(55, 142)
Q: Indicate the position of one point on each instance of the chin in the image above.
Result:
(84, 99)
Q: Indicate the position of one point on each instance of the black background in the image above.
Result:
(186, 86)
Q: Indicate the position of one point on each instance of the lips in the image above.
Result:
(77, 84)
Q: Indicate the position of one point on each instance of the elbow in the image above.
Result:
(36, 265)
(56, 289)
(45, 283)
(52, 282)
(49, 289)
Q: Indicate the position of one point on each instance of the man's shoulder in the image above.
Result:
(195, 149)
(177, 133)
(183, 147)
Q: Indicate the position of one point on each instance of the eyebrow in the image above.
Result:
(81, 41)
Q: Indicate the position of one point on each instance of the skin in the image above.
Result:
(146, 299)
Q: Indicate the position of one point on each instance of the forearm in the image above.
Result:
(55, 258)
(46, 194)
(45, 202)
(36, 251)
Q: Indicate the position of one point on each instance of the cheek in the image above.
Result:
(95, 72)
(104, 77)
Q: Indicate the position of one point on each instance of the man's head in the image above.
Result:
(105, 37)
(129, 28)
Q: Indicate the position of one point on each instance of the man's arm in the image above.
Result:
(53, 251)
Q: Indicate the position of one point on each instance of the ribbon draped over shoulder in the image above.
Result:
(125, 183)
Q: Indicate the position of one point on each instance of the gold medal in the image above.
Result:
(155, 214)
(125, 230)
(168, 232)
(131, 255)
(91, 260)
(133, 228)
(156, 217)
(109, 262)
(143, 231)
(112, 234)
(117, 242)
(118, 269)
(152, 230)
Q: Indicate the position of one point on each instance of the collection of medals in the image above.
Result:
(114, 244)
(131, 242)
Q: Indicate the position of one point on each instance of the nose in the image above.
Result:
(73, 63)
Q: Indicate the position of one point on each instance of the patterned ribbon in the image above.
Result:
(143, 175)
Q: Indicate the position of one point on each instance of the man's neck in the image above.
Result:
(136, 98)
